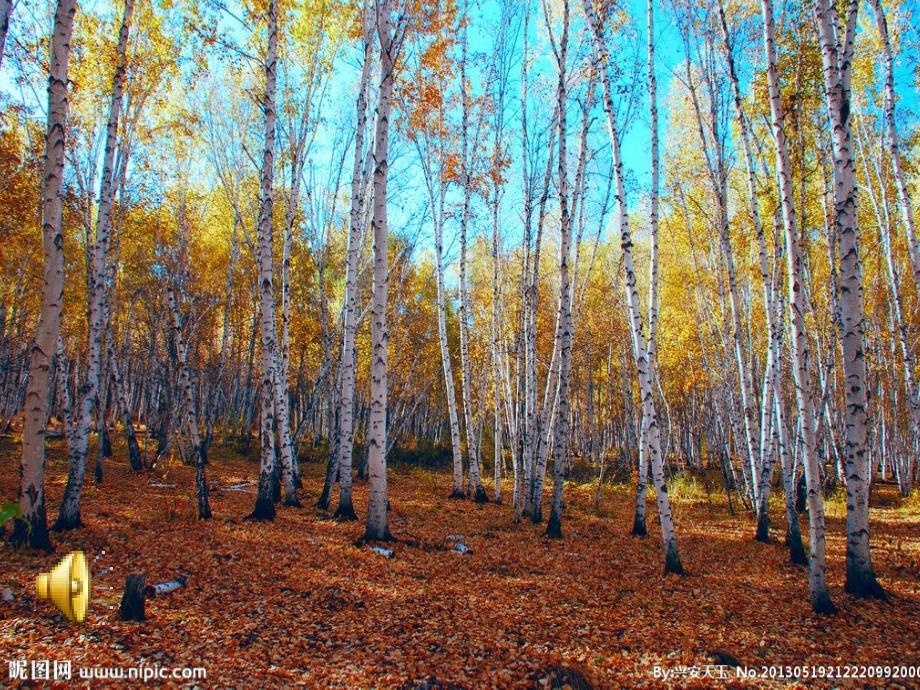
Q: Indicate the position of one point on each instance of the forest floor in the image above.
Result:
(300, 602)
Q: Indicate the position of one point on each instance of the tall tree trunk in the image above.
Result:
(672, 562)
(346, 510)
(718, 177)
(466, 160)
(69, 515)
(446, 365)
(264, 508)
(639, 528)
(766, 446)
(31, 528)
(836, 58)
(561, 431)
(377, 523)
(801, 363)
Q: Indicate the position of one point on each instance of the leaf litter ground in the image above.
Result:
(301, 602)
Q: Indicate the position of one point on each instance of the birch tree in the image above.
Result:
(69, 515)
(466, 161)
(390, 39)
(672, 563)
(31, 527)
(894, 148)
(345, 510)
(836, 43)
(564, 318)
(199, 445)
(271, 383)
(639, 528)
(801, 358)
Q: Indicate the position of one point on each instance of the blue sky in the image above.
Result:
(635, 139)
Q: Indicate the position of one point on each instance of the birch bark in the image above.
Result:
(272, 393)
(377, 527)
(672, 562)
(31, 528)
(801, 360)
(766, 446)
(564, 319)
(894, 149)
(191, 416)
(69, 515)
(836, 43)
(345, 509)
(472, 445)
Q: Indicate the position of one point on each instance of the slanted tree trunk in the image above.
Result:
(836, 58)
(69, 515)
(801, 363)
(446, 364)
(672, 562)
(522, 479)
(31, 528)
(766, 447)
(377, 523)
(896, 311)
(718, 178)
(894, 149)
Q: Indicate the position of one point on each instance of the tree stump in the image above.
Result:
(132, 603)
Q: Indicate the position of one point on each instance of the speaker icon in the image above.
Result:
(68, 586)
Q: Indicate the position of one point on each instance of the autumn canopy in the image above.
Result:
(463, 343)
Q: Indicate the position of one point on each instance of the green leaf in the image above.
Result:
(8, 511)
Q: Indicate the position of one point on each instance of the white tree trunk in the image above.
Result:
(271, 381)
(191, 417)
(718, 177)
(69, 516)
(672, 562)
(466, 158)
(564, 319)
(446, 365)
(836, 58)
(377, 524)
(345, 509)
(522, 481)
(32, 526)
(639, 528)
(765, 454)
(897, 313)
(801, 363)
(904, 200)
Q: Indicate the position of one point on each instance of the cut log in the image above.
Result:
(166, 587)
(137, 590)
